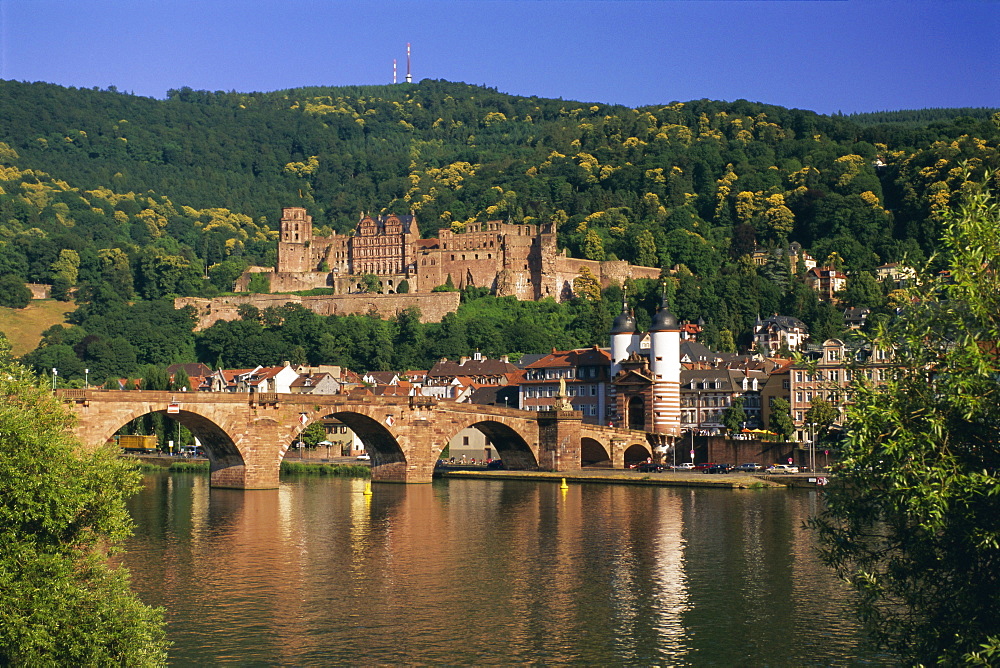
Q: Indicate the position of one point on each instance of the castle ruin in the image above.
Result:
(508, 259)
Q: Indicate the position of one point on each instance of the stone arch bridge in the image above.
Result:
(246, 435)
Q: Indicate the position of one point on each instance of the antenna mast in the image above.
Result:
(393, 70)
(409, 77)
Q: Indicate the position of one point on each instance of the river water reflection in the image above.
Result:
(487, 572)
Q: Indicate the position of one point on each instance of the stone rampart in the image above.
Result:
(39, 290)
(433, 307)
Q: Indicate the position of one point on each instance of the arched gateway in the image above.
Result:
(246, 435)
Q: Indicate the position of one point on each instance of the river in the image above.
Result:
(478, 572)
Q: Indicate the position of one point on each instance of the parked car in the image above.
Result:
(718, 468)
(650, 467)
(495, 465)
(364, 457)
(686, 466)
(703, 467)
(747, 468)
(783, 468)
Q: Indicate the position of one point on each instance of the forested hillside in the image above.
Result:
(136, 198)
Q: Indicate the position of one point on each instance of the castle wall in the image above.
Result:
(294, 282)
(611, 272)
(433, 307)
(39, 290)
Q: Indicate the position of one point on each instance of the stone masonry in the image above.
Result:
(507, 259)
(246, 435)
(432, 306)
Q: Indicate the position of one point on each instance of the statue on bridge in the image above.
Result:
(562, 402)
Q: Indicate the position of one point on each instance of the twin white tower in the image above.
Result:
(661, 396)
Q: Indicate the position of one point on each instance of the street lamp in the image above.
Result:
(697, 421)
(55, 374)
(86, 379)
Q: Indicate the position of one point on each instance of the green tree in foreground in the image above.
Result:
(914, 519)
(61, 509)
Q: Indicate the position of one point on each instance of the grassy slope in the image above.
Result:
(24, 327)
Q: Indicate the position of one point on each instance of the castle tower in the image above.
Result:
(665, 365)
(294, 254)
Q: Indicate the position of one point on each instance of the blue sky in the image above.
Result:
(826, 56)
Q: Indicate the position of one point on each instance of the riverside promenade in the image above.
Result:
(660, 479)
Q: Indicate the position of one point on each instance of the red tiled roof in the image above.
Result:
(573, 358)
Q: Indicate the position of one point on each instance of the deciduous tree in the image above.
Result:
(61, 508)
(914, 519)
(734, 416)
(13, 292)
(781, 419)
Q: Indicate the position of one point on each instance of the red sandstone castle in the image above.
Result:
(509, 259)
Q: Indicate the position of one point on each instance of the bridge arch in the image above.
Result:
(594, 454)
(511, 446)
(636, 453)
(380, 443)
(226, 459)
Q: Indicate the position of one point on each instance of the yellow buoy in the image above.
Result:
(368, 489)
(564, 485)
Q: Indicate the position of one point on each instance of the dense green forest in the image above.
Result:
(134, 200)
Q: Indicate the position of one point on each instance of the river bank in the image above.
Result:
(629, 477)
(351, 468)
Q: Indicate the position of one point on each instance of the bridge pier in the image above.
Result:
(559, 434)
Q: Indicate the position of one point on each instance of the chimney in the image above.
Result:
(462, 361)
(505, 359)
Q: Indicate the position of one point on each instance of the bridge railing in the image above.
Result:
(264, 397)
(72, 394)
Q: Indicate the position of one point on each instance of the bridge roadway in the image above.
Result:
(246, 435)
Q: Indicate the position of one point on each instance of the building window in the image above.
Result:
(798, 376)
(786, 384)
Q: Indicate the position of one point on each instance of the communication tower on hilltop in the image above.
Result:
(409, 77)
(393, 70)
